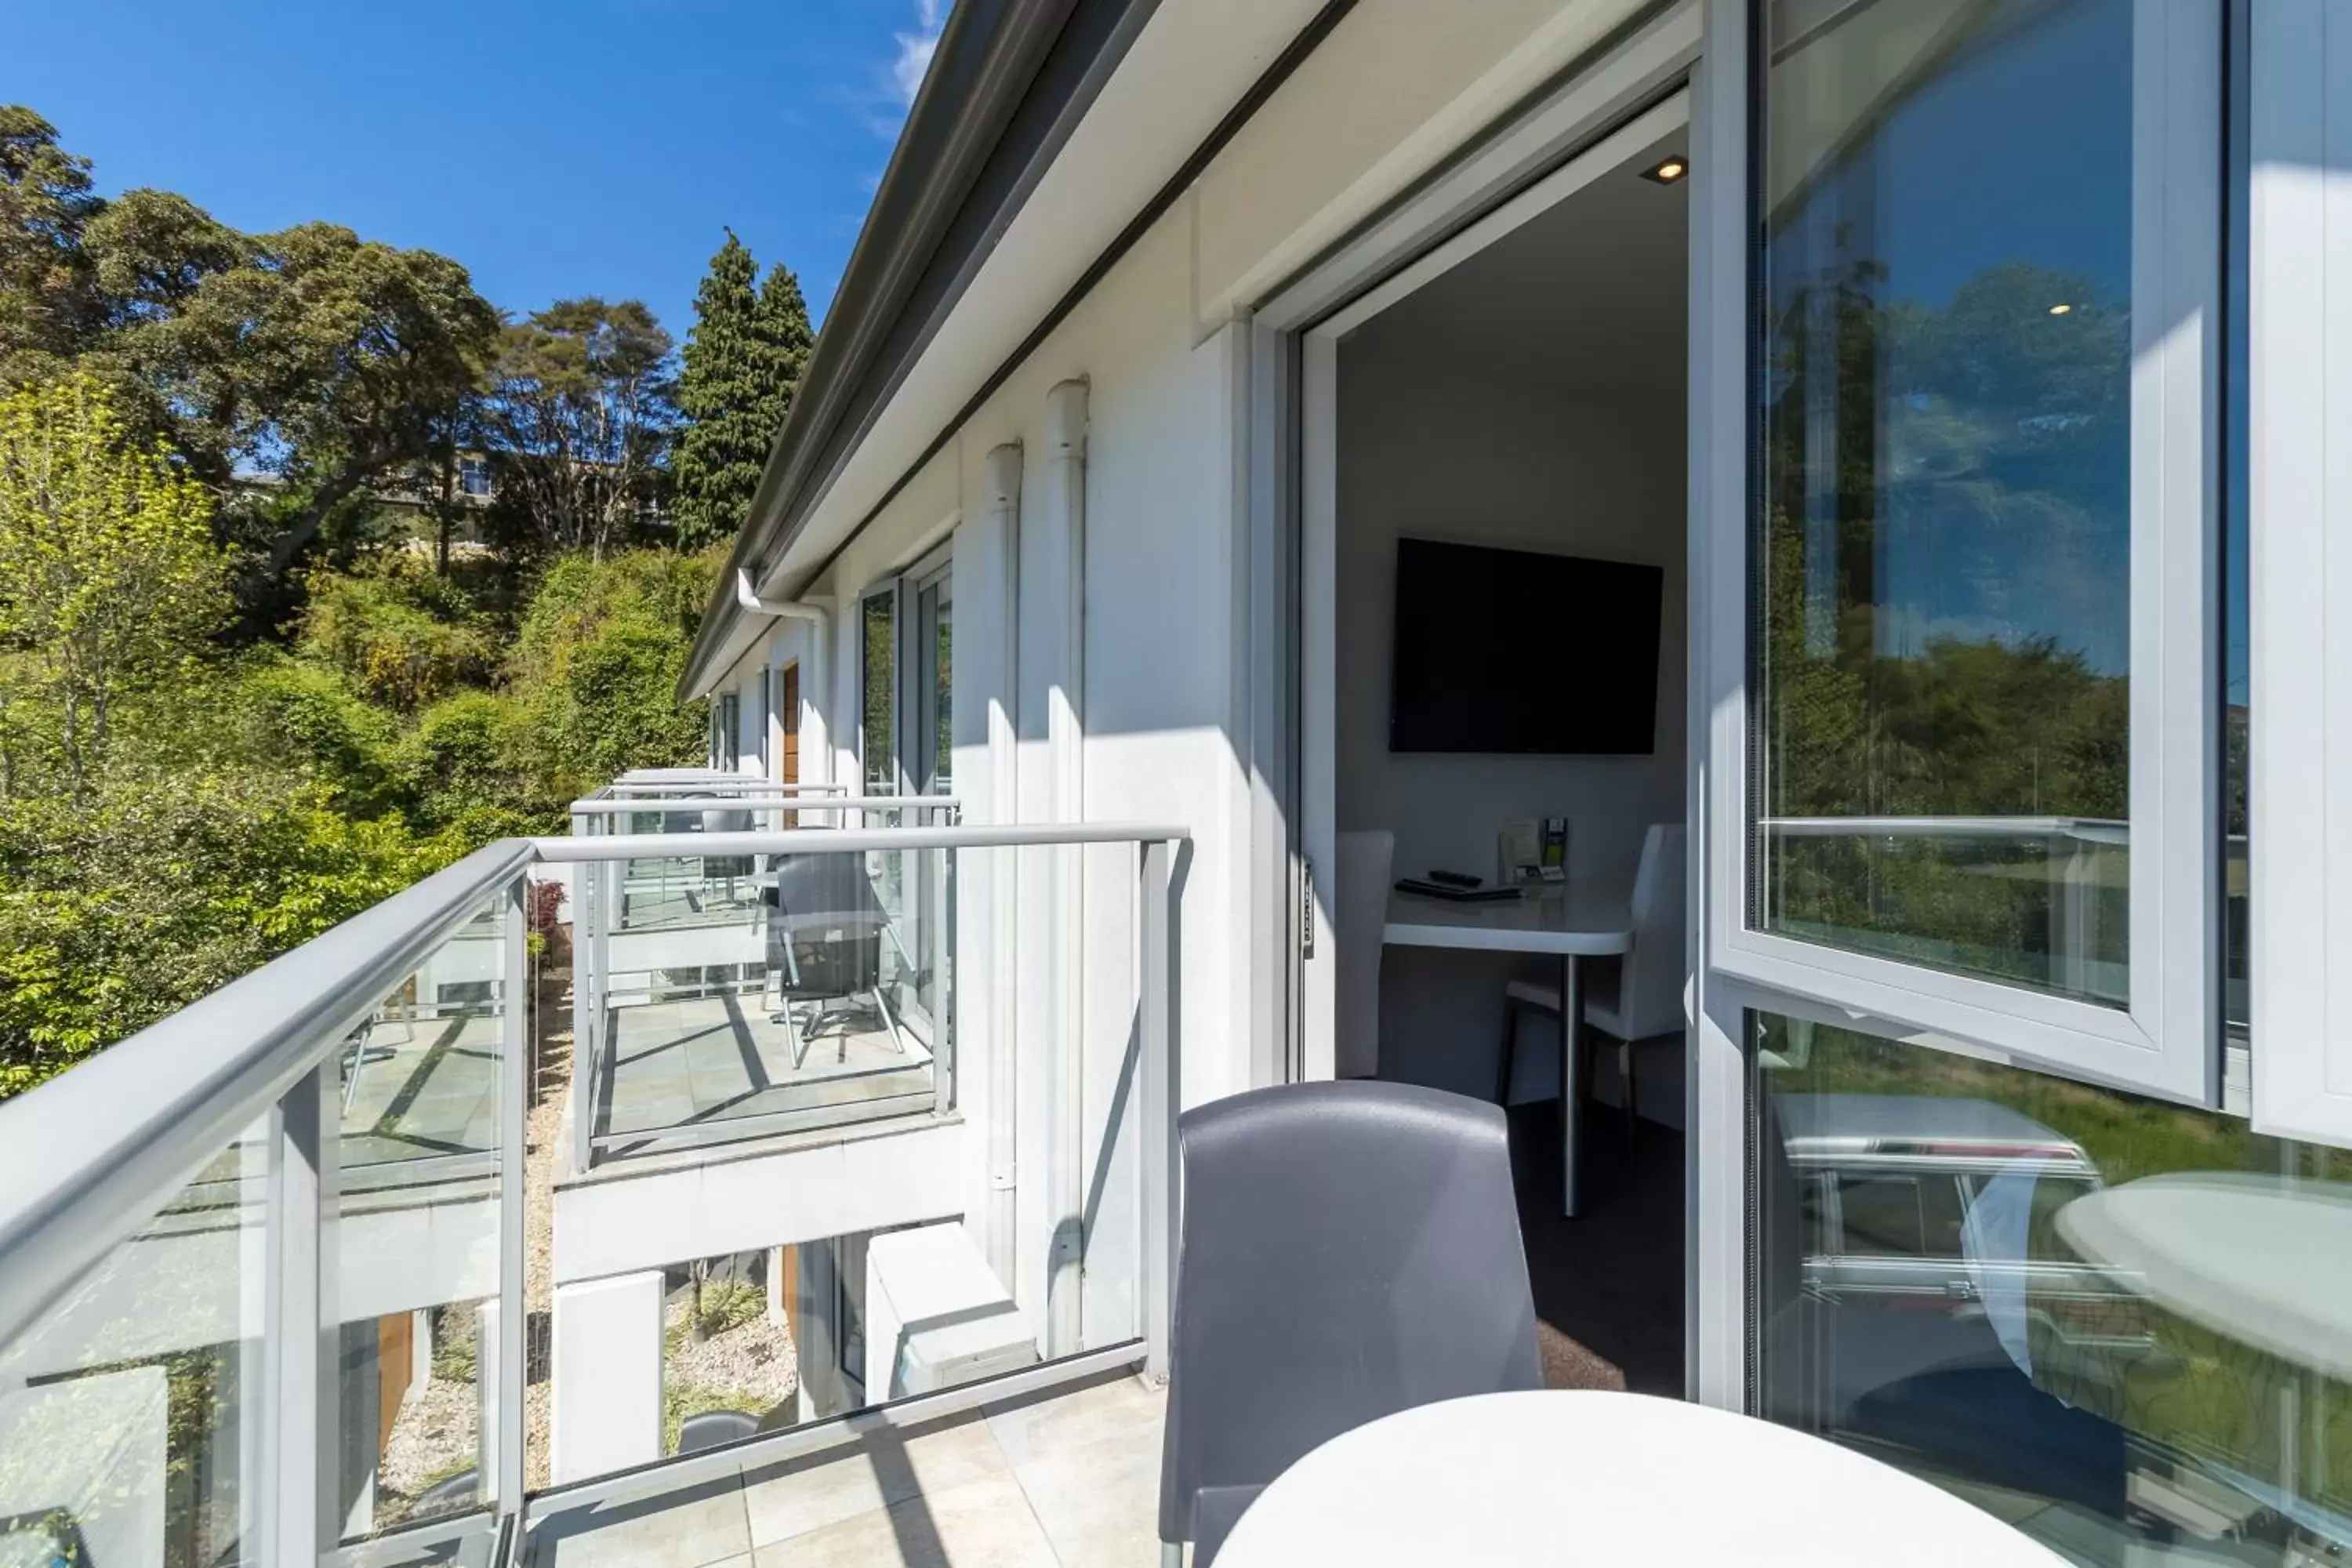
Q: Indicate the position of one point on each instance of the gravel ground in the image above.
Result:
(751, 1367)
(542, 1132)
(432, 1439)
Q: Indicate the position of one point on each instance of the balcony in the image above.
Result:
(391, 1252)
(725, 997)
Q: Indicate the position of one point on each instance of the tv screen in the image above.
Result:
(1512, 651)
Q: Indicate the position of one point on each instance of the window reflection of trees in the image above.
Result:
(1961, 649)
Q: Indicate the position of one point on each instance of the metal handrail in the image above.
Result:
(2089, 829)
(654, 789)
(812, 805)
(851, 840)
(91, 1155)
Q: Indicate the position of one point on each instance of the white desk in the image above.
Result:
(1512, 1480)
(1585, 917)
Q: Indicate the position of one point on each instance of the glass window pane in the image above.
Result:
(2119, 1323)
(878, 736)
(2237, 540)
(132, 1412)
(1943, 640)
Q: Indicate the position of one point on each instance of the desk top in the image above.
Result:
(1586, 916)
(1556, 1477)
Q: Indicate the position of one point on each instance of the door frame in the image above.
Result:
(1664, 73)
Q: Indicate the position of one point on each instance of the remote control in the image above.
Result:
(1454, 879)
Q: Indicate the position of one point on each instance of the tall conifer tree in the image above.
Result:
(744, 361)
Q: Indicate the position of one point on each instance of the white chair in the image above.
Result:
(1646, 998)
(1359, 914)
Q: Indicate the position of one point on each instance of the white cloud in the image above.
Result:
(915, 49)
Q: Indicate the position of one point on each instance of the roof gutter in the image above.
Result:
(1009, 82)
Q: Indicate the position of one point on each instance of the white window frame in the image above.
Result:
(726, 731)
(2166, 1042)
(2299, 351)
(915, 672)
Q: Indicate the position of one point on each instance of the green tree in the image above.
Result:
(49, 300)
(743, 362)
(578, 419)
(313, 360)
(325, 359)
(109, 576)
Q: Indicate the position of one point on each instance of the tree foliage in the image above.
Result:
(743, 362)
(46, 303)
(163, 884)
(312, 358)
(195, 421)
(401, 635)
(108, 578)
(597, 662)
(579, 416)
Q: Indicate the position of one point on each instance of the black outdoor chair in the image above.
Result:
(1349, 1250)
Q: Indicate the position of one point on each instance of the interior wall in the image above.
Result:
(1441, 455)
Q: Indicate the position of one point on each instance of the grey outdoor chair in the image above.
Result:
(1349, 1250)
(825, 929)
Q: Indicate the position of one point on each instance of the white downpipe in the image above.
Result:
(1002, 520)
(820, 622)
(1063, 518)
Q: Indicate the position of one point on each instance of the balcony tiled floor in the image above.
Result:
(1065, 1478)
(424, 1086)
(712, 1059)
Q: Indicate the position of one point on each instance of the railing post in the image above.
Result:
(303, 1328)
(515, 1088)
(1161, 1098)
(587, 895)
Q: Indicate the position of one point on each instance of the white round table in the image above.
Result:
(1604, 1478)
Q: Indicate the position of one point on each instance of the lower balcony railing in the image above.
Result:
(308, 1272)
(720, 996)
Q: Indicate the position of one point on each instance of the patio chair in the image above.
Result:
(725, 869)
(825, 929)
(1349, 1250)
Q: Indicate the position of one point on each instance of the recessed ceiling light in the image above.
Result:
(2060, 310)
(1668, 171)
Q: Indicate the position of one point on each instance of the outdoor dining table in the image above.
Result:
(1562, 1477)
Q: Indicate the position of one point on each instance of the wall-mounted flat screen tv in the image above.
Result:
(1518, 652)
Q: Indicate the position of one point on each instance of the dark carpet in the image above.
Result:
(1608, 1284)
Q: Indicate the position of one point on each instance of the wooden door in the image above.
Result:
(788, 718)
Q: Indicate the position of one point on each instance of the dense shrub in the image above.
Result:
(166, 885)
(397, 632)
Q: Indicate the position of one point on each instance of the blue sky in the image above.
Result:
(555, 147)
